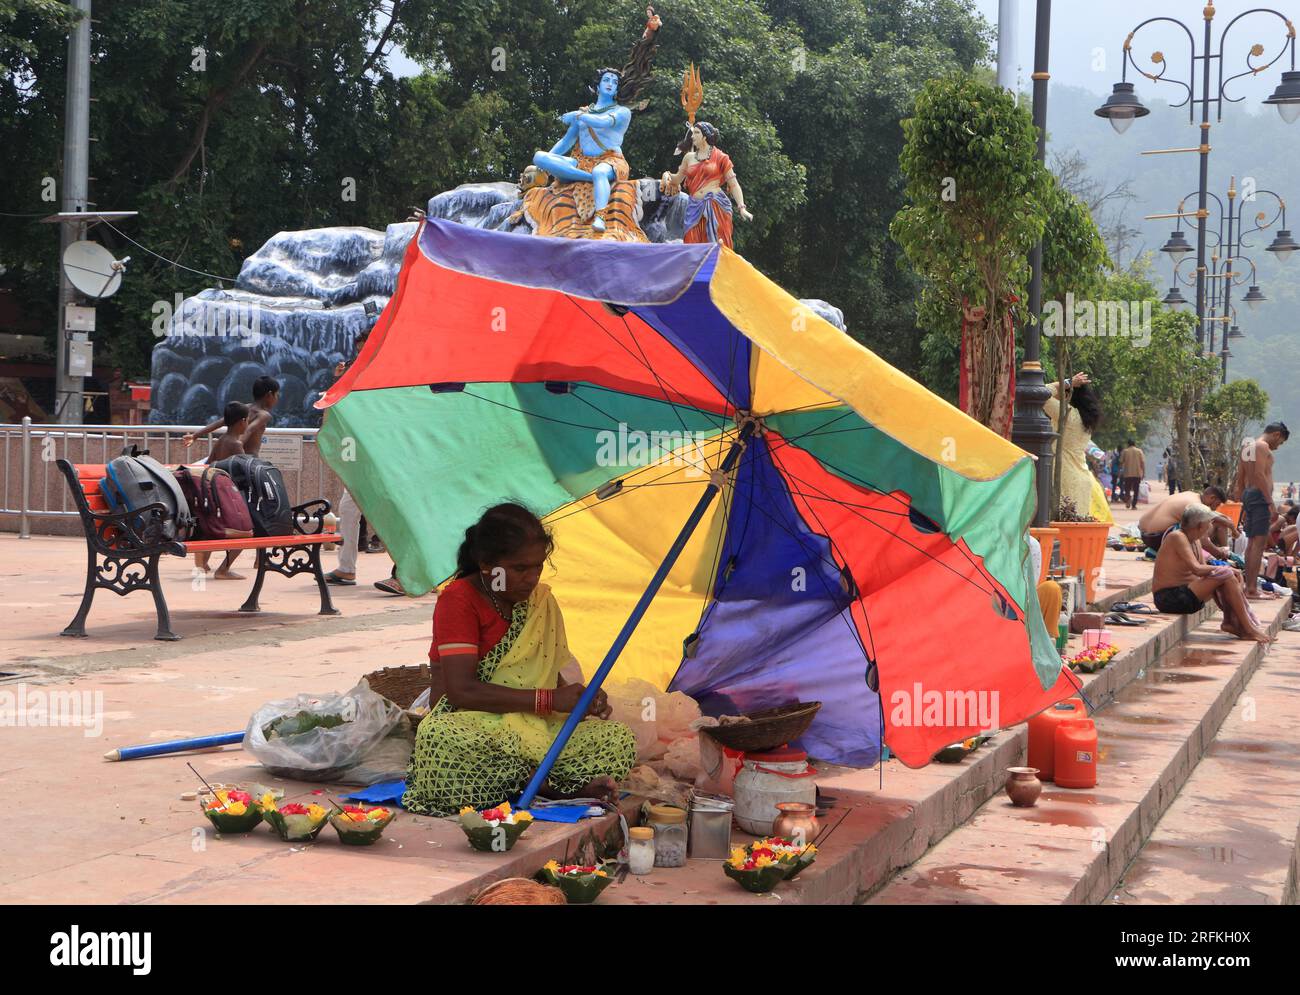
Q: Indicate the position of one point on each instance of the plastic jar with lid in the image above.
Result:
(669, 825)
(641, 850)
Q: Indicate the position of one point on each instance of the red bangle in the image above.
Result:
(543, 699)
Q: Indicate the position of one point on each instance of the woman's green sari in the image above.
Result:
(479, 759)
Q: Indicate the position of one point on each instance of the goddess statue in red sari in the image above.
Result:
(706, 174)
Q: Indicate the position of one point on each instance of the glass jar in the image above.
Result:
(669, 825)
(641, 850)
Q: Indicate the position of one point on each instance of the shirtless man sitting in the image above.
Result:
(1183, 581)
(1160, 518)
(1253, 487)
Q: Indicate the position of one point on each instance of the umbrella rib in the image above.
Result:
(643, 360)
(712, 599)
(826, 497)
(650, 483)
(646, 361)
(802, 540)
(719, 421)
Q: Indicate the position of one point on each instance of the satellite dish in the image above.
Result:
(92, 269)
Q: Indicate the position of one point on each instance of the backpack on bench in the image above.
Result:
(135, 480)
(217, 504)
(263, 489)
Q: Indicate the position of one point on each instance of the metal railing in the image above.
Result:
(31, 485)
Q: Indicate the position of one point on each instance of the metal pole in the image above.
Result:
(1202, 195)
(580, 709)
(1009, 46)
(1030, 428)
(68, 397)
(25, 480)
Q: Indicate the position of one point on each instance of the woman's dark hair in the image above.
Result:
(1088, 404)
(709, 132)
(503, 529)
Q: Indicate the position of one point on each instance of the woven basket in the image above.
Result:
(400, 685)
(768, 729)
(519, 891)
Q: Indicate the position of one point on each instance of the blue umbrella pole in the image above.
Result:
(174, 746)
(656, 582)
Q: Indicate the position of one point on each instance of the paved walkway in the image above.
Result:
(125, 835)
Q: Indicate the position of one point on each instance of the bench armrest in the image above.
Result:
(127, 527)
(309, 518)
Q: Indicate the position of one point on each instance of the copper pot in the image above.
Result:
(797, 821)
(1023, 786)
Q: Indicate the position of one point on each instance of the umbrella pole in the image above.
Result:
(598, 678)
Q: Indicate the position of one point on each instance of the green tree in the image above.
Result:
(1226, 413)
(293, 99)
(977, 202)
(1074, 267)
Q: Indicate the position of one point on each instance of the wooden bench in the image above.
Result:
(122, 560)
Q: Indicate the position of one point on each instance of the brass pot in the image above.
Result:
(797, 821)
(1023, 786)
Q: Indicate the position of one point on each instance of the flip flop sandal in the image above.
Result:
(1134, 608)
(388, 586)
(334, 577)
(1114, 618)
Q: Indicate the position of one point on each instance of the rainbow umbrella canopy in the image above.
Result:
(867, 546)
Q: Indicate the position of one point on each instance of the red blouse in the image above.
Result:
(711, 170)
(464, 621)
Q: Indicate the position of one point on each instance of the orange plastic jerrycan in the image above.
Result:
(1042, 734)
(1076, 754)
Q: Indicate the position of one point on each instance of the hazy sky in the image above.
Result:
(1090, 33)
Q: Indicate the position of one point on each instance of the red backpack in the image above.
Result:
(217, 505)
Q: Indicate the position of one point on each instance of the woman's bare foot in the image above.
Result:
(224, 574)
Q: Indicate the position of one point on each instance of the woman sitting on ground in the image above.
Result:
(1183, 581)
(498, 648)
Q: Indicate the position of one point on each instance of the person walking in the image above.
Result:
(1133, 467)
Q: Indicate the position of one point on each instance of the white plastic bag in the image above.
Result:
(318, 737)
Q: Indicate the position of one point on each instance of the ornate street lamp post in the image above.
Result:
(1123, 106)
(1230, 239)
(1031, 429)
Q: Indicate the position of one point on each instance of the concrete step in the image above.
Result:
(1231, 836)
(1156, 722)
(891, 819)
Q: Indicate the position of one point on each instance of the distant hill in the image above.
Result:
(1252, 141)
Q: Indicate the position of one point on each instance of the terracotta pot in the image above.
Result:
(797, 821)
(1023, 786)
(1046, 540)
(1083, 546)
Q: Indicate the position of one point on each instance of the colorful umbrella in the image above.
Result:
(867, 549)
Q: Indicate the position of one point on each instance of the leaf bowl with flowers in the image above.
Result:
(756, 869)
(1093, 659)
(361, 826)
(794, 857)
(293, 822)
(496, 829)
(581, 883)
(231, 811)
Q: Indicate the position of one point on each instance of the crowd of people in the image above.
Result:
(1192, 542)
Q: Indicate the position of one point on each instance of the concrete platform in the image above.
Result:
(1232, 836)
(1073, 846)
